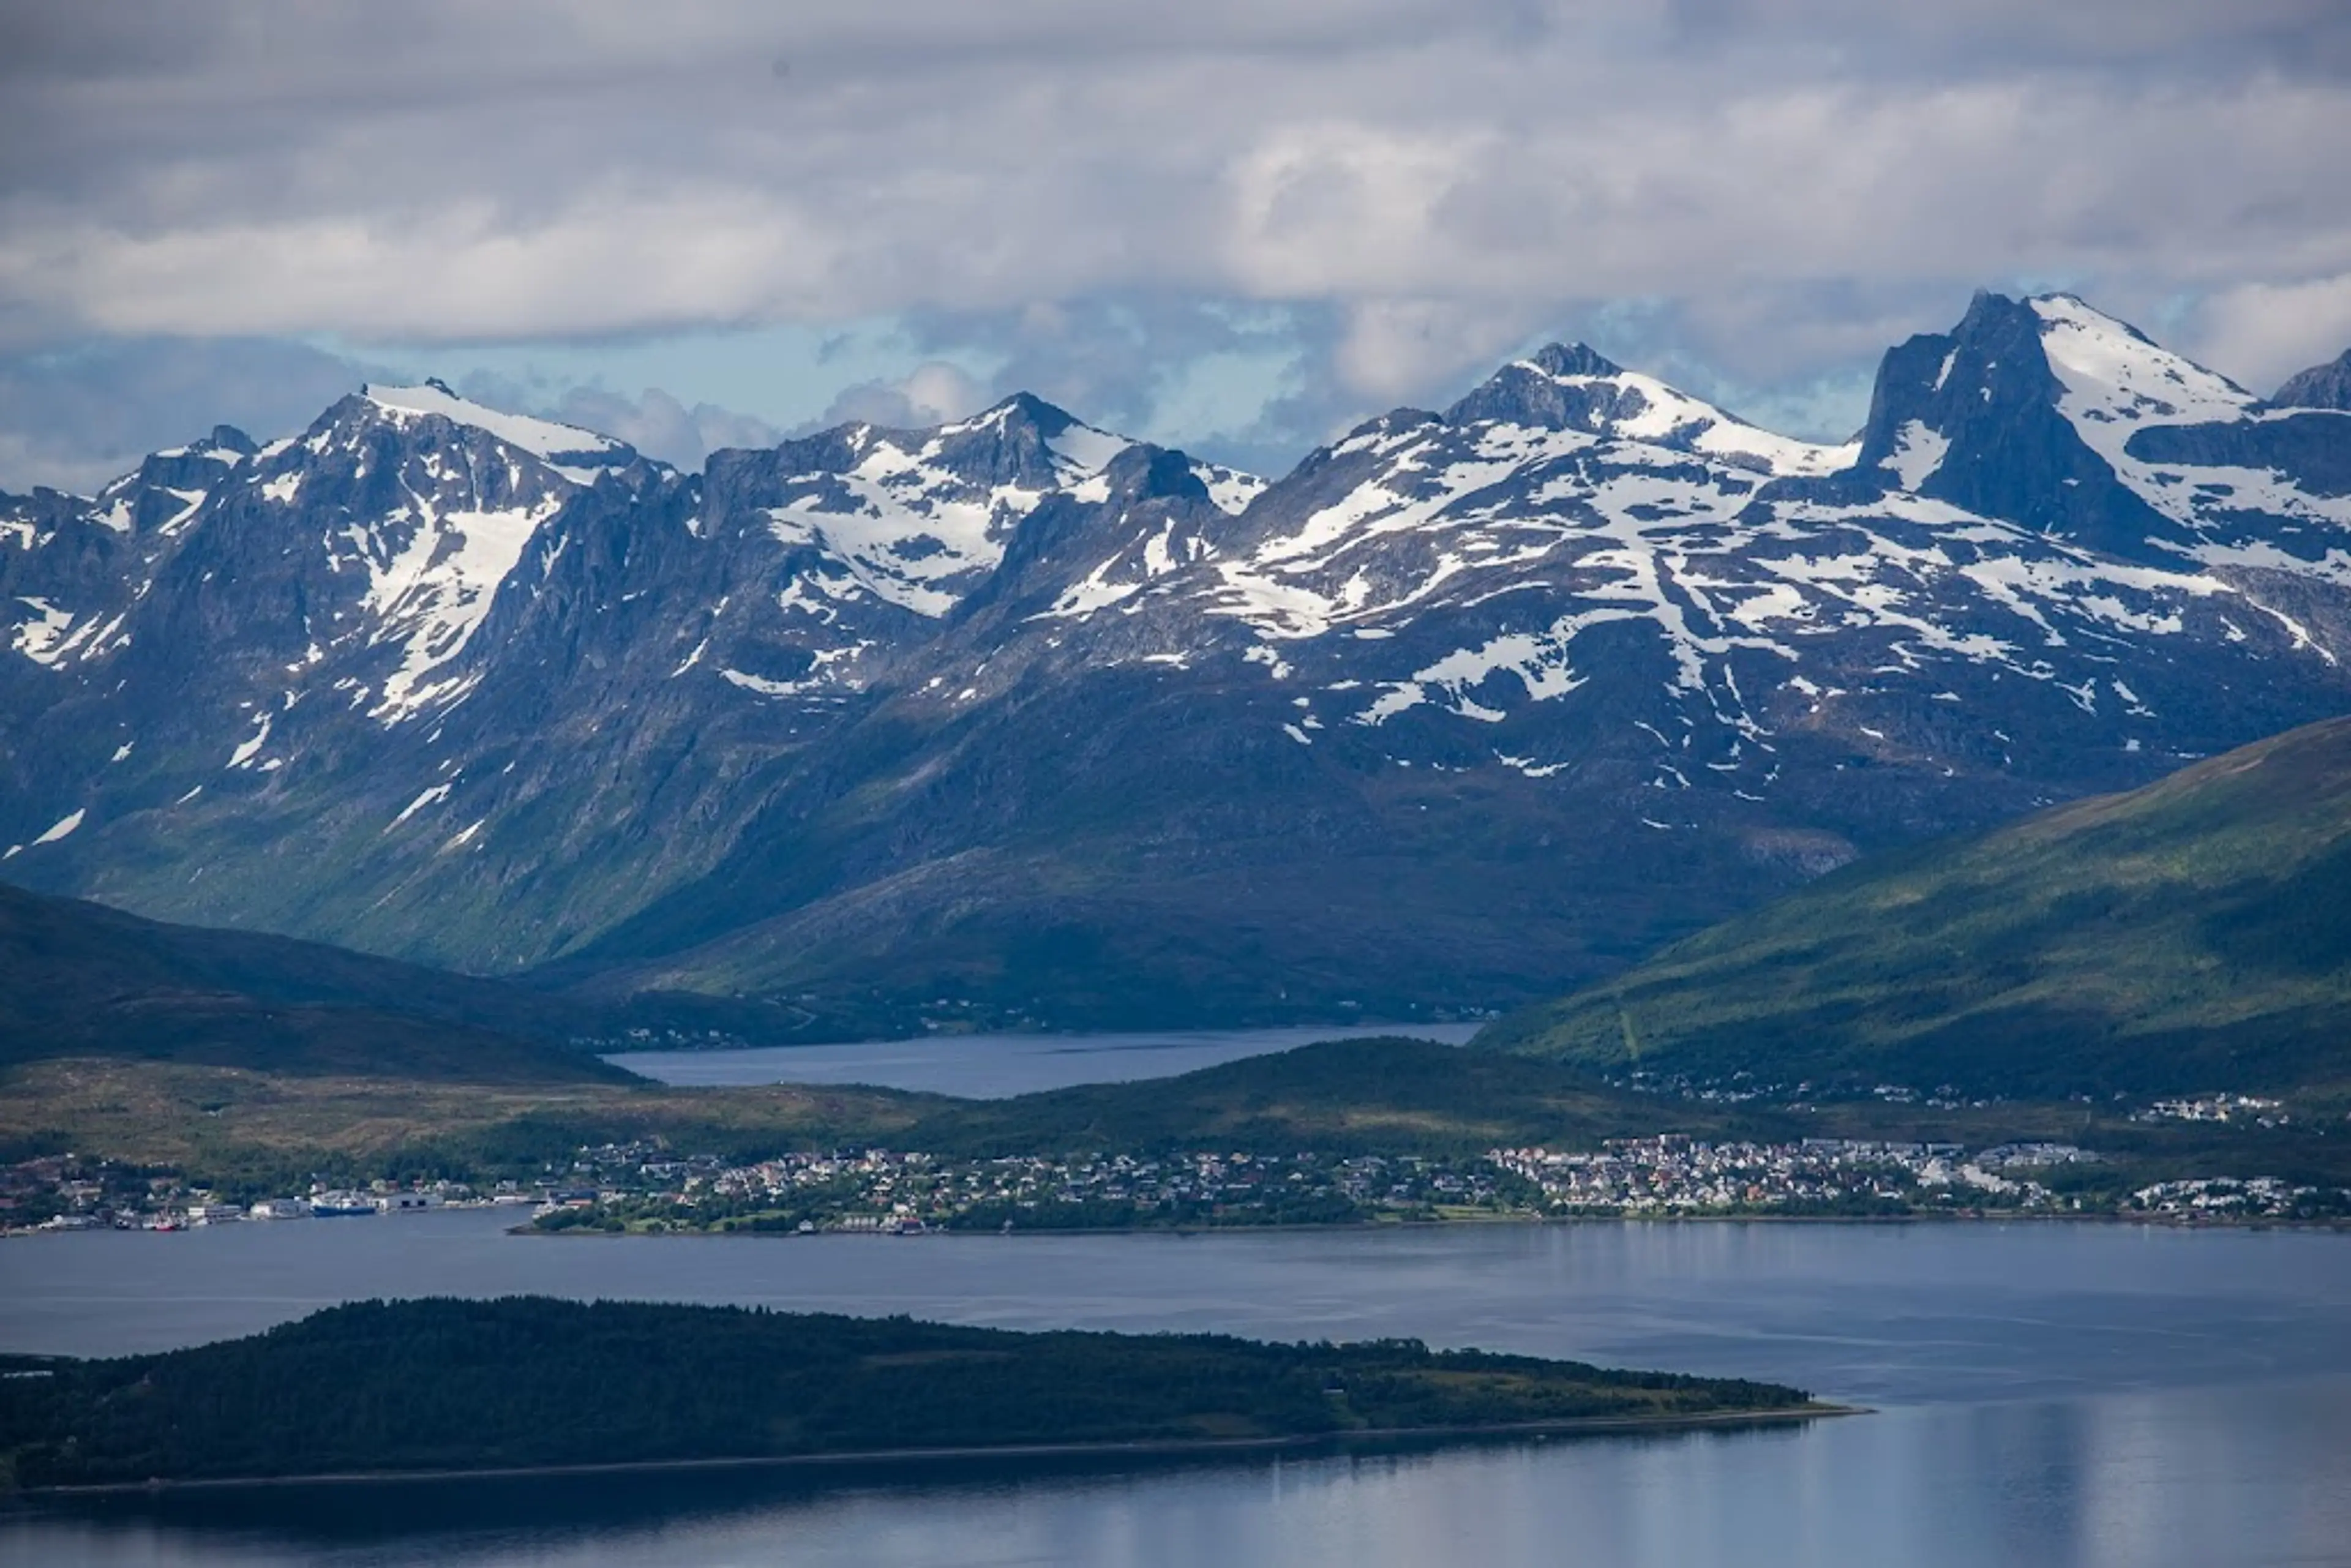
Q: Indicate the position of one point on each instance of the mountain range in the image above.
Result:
(1014, 720)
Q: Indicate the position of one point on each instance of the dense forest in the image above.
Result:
(456, 1384)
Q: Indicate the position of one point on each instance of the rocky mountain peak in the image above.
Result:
(1023, 440)
(1574, 360)
(1146, 473)
(1982, 417)
(1575, 388)
(575, 452)
(2321, 386)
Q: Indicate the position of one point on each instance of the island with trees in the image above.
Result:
(442, 1386)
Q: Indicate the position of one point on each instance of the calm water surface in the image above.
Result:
(2048, 1395)
(989, 1066)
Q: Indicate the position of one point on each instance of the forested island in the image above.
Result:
(380, 1388)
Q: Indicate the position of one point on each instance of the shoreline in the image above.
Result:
(1141, 1449)
(1956, 1216)
(1757, 1216)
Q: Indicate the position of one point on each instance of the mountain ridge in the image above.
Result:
(1024, 719)
(2186, 937)
(79, 979)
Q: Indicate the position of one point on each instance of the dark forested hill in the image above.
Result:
(83, 980)
(443, 1385)
(2194, 935)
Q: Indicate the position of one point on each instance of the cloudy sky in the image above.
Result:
(1230, 224)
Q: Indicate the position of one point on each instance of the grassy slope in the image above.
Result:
(1391, 1096)
(234, 1125)
(255, 1131)
(1407, 1096)
(79, 979)
(1385, 1096)
(2192, 934)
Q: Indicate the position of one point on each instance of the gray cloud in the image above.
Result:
(653, 422)
(932, 394)
(75, 416)
(1759, 193)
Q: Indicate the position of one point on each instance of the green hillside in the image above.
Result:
(1368, 1096)
(2193, 935)
(79, 979)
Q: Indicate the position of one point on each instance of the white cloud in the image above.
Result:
(422, 174)
(932, 394)
(74, 420)
(1421, 183)
(2263, 332)
(654, 423)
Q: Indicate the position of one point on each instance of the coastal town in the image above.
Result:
(67, 1192)
(648, 1187)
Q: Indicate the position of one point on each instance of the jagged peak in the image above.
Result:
(225, 443)
(1024, 439)
(1051, 418)
(2326, 386)
(1561, 387)
(1143, 472)
(1579, 359)
(2086, 347)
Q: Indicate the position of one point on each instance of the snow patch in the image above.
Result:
(1917, 453)
(42, 639)
(250, 748)
(433, 795)
(432, 577)
(574, 453)
(63, 826)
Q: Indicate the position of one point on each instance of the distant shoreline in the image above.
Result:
(1162, 1447)
(1954, 1216)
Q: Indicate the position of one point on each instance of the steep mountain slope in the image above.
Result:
(1467, 697)
(79, 979)
(2047, 413)
(407, 685)
(1015, 718)
(2321, 386)
(2193, 935)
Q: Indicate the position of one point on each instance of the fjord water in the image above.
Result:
(992, 1066)
(2047, 1395)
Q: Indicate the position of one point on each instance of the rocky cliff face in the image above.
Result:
(2321, 386)
(1015, 718)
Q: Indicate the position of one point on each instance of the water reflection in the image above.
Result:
(989, 1066)
(2183, 1477)
(2058, 1396)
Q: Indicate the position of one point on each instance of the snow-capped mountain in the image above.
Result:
(2046, 413)
(1019, 714)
